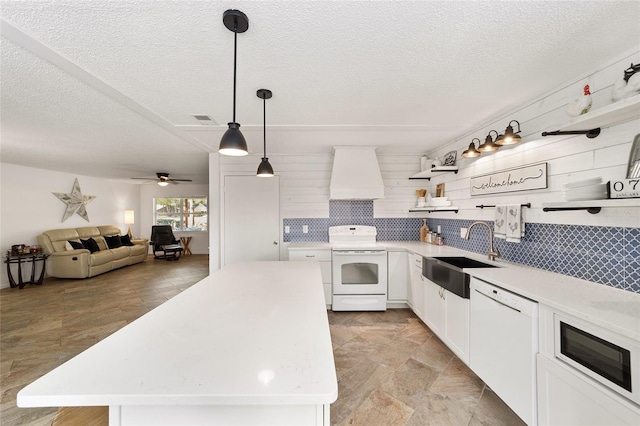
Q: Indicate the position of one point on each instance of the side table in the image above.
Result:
(24, 258)
(185, 242)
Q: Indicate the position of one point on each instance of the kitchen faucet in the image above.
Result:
(493, 252)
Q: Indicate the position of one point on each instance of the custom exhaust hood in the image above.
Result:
(355, 174)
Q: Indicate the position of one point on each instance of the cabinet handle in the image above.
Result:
(310, 255)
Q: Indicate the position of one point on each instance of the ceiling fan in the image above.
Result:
(162, 179)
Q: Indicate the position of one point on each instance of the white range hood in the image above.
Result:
(355, 174)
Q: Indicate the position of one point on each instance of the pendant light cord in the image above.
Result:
(235, 54)
(264, 127)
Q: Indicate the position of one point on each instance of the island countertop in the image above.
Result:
(252, 333)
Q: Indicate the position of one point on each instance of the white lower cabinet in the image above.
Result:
(447, 315)
(416, 285)
(397, 272)
(566, 397)
(319, 255)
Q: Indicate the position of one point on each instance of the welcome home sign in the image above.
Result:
(524, 178)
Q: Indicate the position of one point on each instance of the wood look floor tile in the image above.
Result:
(41, 327)
(391, 369)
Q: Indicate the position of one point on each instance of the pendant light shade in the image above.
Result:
(489, 145)
(264, 169)
(472, 152)
(233, 142)
(510, 137)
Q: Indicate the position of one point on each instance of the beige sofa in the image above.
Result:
(81, 263)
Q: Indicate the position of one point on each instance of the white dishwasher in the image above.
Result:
(503, 345)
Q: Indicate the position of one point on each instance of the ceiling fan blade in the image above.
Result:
(147, 178)
(180, 180)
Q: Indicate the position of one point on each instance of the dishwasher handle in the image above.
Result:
(497, 301)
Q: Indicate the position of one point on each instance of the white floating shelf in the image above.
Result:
(427, 174)
(607, 116)
(434, 209)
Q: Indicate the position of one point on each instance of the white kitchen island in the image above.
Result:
(249, 344)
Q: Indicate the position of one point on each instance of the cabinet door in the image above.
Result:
(456, 324)
(397, 270)
(566, 397)
(435, 307)
(323, 256)
(414, 282)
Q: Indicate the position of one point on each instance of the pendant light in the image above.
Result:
(489, 145)
(509, 137)
(472, 152)
(265, 169)
(233, 142)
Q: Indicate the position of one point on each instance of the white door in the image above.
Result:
(251, 218)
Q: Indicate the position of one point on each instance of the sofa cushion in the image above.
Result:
(113, 241)
(74, 245)
(90, 245)
(120, 252)
(125, 240)
(101, 257)
(88, 231)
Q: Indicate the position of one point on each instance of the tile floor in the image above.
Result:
(391, 369)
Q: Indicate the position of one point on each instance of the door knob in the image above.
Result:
(275, 243)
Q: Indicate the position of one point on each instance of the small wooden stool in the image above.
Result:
(81, 416)
(185, 243)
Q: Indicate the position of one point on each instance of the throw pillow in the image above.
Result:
(74, 245)
(125, 240)
(113, 241)
(90, 245)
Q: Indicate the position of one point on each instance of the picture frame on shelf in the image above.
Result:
(449, 158)
(440, 190)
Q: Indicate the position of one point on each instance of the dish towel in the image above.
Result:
(515, 223)
(500, 222)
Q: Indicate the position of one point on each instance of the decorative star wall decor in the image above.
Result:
(75, 201)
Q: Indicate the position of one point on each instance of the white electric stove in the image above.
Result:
(359, 269)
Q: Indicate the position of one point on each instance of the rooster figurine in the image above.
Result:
(582, 105)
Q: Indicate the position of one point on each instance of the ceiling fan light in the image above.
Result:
(265, 169)
(233, 142)
(163, 183)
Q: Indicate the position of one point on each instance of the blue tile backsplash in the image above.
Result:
(603, 254)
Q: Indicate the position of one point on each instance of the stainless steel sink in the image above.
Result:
(447, 272)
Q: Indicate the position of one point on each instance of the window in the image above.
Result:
(183, 214)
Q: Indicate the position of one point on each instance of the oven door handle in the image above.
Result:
(359, 253)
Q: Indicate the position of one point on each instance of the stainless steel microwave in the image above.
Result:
(606, 357)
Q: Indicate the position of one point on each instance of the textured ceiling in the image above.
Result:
(107, 88)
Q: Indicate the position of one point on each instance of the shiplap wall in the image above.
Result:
(305, 178)
(569, 158)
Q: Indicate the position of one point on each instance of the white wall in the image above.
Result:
(305, 178)
(29, 207)
(569, 158)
